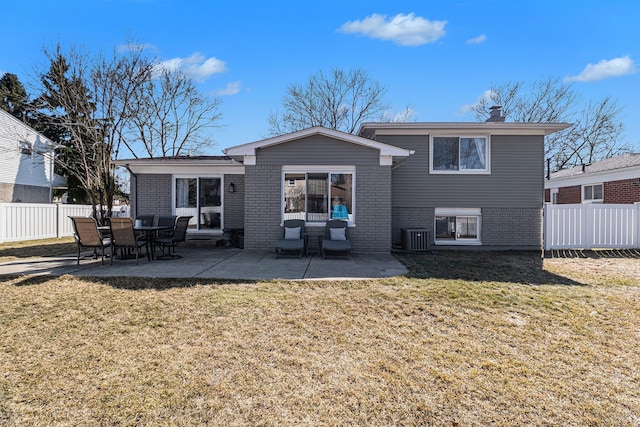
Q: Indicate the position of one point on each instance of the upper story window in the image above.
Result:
(317, 196)
(455, 154)
(592, 193)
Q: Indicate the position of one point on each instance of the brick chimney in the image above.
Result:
(496, 114)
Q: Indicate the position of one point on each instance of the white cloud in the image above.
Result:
(404, 30)
(477, 40)
(196, 66)
(231, 88)
(616, 67)
(468, 108)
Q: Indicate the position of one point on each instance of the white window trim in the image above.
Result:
(591, 200)
(486, 171)
(459, 212)
(330, 169)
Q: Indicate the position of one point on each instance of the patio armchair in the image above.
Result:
(336, 239)
(87, 236)
(124, 237)
(179, 235)
(294, 238)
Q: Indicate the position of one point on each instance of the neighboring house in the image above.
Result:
(465, 184)
(26, 163)
(614, 180)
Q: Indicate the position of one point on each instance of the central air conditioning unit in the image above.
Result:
(415, 239)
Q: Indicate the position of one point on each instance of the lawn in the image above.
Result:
(464, 339)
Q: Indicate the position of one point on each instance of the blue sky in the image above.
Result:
(437, 57)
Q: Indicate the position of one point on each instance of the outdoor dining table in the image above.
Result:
(151, 233)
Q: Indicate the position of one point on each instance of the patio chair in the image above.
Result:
(124, 238)
(336, 239)
(145, 219)
(294, 238)
(87, 236)
(178, 236)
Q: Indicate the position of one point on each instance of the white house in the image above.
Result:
(26, 163)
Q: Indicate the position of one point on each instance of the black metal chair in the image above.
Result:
(87, 236)
(178, 236)
(123, 237)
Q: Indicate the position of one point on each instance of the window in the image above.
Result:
(200, 198)
(452, 154)
(318, 196)
(457, 226)
(592, 193)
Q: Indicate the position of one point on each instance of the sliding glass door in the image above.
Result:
(200, 198)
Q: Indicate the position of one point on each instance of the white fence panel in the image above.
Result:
(65, 226)
(592, 226)
(32, 221)
(27, 221)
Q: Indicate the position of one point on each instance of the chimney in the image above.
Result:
(496, 114)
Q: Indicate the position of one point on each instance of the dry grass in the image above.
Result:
(468, 339)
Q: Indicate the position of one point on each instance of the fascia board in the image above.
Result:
(182, 167)
(594, 178)
(502, 128)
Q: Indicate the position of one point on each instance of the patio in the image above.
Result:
(216, 263)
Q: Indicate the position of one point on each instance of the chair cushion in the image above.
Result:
(336, 245)
(337, 234)
(292, 233)
(290, 244)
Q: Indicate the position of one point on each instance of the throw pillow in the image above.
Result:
(338, 234)
(292, 233)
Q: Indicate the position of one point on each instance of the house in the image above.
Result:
(26, 163)
(614, 180)
(463, 184)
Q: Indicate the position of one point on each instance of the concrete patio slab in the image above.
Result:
(215, 263)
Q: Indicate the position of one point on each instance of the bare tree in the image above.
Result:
(85, 100)
(340, 101)
(596, 130)
(170, 117)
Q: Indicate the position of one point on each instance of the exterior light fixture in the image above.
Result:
(232, 188)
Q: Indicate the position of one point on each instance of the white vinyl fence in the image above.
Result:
(31, 221)
(591, 226)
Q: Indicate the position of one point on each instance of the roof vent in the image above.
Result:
(496, 114)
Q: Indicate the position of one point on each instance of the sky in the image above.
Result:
(437, 57)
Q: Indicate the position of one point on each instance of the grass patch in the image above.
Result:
(37, 248)
(466, 339)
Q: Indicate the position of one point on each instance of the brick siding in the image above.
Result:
(626, 191)
(569, 195)
(511, 228)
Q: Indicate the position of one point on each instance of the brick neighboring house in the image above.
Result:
(467, 184)
(613, 181)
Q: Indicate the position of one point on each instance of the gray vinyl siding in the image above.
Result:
(317, 150)
(510, 197)
(516, 178)
(263, 182)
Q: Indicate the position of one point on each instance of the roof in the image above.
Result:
(247, 152)
(614, 163)
(370, 130)
(180, 164)
(626, 166)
